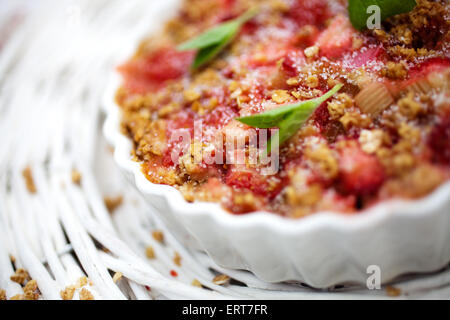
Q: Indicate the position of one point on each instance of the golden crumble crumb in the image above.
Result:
(246, 200)
(409, 107)
(371, 140)
(196, 283)
(280, 96)
(86, 295)
(393, 291)
(354, 119)
(29, 181)
(305, 197)
(149, 252)
(357, 42)
(2, 294)
(337, 106)
(31, 290)
(312, 52)
(82, 281)
(409, 133)
(112, 203)
(221, 279)
(18, 297)
(12, 258)
(158, 235)
(20, 276)
(323, 160)
(395, 70)
(168, 109)
(177, 259)
(191, 95)
(76, 177)
(312, 81)
(117, 276)
(292, 81)
(67, 293)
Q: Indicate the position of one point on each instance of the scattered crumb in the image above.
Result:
(12, 258)
(312, 81)
(158, 235)
(149, 252)
(221, 279)
(177, 259)
(82, 282)
(117, 276)
(20, 276)
(112, 203)
(31, 290)
(76, 176)
(18, 297)
(312, 51)
(86, 295)
(27, 175)
(2, 294)
(196, 283)
(393, 291)
(67, 293)
(395, 70)
(281, 96)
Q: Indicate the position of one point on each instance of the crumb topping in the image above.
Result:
(384, 135)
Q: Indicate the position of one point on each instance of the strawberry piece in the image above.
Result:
(152, 71)
(252, 180)
(336, 39)
(439, 141)
(365, 56)
(360, 173)
(309, 12)
(292, 62)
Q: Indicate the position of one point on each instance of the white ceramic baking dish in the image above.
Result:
(320, 250)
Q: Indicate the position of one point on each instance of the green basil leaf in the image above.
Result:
(288, 118)
(272, 118)
(210, 43)
(207, 54)
(357, 10)
(213, 36)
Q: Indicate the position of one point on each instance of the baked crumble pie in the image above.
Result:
(385, 134)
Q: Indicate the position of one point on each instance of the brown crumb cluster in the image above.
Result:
(417, 34)
(29, 287)
(2, 294)
(393, 291)
(76, 176)
(372, 141)
(150, 252)
(20, 276)
(68, 292)
(112, 203)
(221, 279)
(84, 294)
(31, 290)
(158, 235)
(29, 181)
